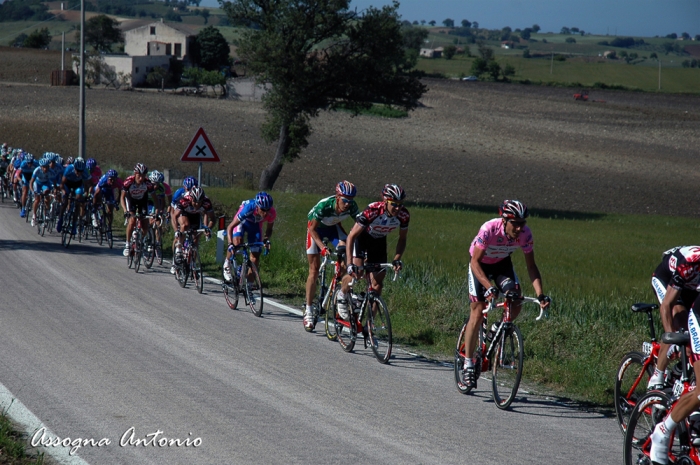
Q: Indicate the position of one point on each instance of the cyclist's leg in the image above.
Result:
(506, 280)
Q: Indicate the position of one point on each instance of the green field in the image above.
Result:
(594, 266)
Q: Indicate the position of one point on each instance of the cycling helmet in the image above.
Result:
(513, 210)
(69, 160)
(263, 200)
(44, 162)
(29, 158)
(156, 176)
(393, 192)
(112, 174)
(346, 189)
(79, 164)
(59, 161)
(140, 168)
(189, 182)
(196, 194)
(91, 163)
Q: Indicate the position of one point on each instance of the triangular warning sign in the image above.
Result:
(200, 149)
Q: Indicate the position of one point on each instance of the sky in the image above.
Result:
(645, 18)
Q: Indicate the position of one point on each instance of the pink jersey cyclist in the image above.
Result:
(492, 238)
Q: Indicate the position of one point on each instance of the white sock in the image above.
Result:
(468, 362)
(341, 295)
(309, 308)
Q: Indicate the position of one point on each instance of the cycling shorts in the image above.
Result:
(500, 273)
(694, 329)
(253, 230)
(660, 281)
(333, 233)
(375, 247)
(26, 177)
(107, 194)
(71, 186)
(140, 205)
(39, 186)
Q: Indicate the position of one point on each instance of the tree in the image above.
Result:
(697, 37)
(685, 36)
(38, 39)
(508, 71)
(323, 56)
(654, 56)
(101, 32)
(18, 41)
(536, 28)
(526, 53)
(479, 66)
(449, 52)
(432, 22)
(672, 35)
(485, 51)
(422, 22)
(570, 40)
(575, 30)
(212, 50)
(413, 39)
(565, 31)
(525, 33)
(449, 22)
(466, 23)
(205, 14)
(475, 25)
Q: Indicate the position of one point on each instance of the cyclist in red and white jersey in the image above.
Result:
(135, 192)
(680, 268)
(369, 235)
(490, 261)
(676, 282)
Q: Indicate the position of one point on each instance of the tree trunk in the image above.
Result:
(272, 172)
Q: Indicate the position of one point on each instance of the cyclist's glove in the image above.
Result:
(491, 291)
(543, 298)
(324, 251)
(352, 269)
(397, 264)
(127, 215)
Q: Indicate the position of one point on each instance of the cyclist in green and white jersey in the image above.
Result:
(325, 222)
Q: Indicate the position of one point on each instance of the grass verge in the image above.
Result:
(13, 446)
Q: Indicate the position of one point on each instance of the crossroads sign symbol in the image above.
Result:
(200, 149)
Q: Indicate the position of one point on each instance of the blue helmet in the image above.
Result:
(90, 163)
(112, 174)
(263, 200)
(29, 158)
(44, 162)
(189, 182)
(346, 189)
(58, 160)
(79, 164)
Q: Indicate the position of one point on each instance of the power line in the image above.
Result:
(36, 24)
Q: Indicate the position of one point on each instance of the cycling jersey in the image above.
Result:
(107, 190)
(56, 173)
(41, 178)
(378, 223)
(186, 205)
(95, 175)
(493, 239)
(137, 191)
(680, 268)
(162, 189)
(324, 211)
(247, 213)
(73, 176)
(177, 196)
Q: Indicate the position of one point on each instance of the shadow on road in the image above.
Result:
(75, 247)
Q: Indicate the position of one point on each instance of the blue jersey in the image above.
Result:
(56, 174)
(16, 162)
(247, 213)
(42, 178)
(28, 168)
(71, 175)
(178, 195)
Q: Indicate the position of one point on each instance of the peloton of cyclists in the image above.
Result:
(135, 192)
(680, 268)
(368, 235)
(325, 221)
(490, 261)
(248, 220)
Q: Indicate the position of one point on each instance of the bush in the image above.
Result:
(526, 53)
(38, 39)
(570, 40)
(559, 58)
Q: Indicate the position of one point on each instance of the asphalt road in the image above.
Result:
(93, 350)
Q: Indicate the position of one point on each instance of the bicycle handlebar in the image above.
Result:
(532, 300)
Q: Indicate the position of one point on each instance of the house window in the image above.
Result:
(153, 30)
(178, 50)
(168, 49)
(136, 70)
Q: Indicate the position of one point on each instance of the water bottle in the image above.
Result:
(492, 332)
(694, 427)
(357, 301)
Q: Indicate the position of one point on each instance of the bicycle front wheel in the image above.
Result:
(254, 290)
(137, 251)
(38, 220)
(181, 274)
(379, 330)
(329, 308)
(460, 352)
(650, 410)
(148, 248)
(507, 366)
(630, 385)
(196, 264)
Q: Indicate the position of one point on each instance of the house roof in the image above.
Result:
(137, 24)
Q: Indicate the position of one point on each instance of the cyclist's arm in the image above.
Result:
(313, 224)
(122, 201)
(268, 231)
(666, 308)
(534, 273)
(354, 234)
(208, 219)
(401, 244)
(229, 230)
(475, 265)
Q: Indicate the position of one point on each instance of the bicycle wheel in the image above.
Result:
(37, 220)
(43, 217)
(507, 366)
(196, 266)
(66, 231)
(630, 385)
(253, 290)
(230, 294)
(101, 227)
(650, 410)
(459, 362)
(346, 331)
(331, 324)
(158, 252)
(182, 274)
(110, 239)
(379, 330)
(148, 248)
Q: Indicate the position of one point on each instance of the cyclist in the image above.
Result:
(490, 261)
(676, 282)
(26, 169)
(187, 184)
(325, 220)
(368, 235)
(73, 179)
(190, 208)
(106, 187)
(4, 165)
(41, 184)
(248, 220)
(135, 193)
(14, 171)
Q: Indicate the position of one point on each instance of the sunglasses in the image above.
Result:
(394, 203)
(519, 224)
(344, 200)
(264, 210)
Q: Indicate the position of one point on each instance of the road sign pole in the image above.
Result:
(199, 174)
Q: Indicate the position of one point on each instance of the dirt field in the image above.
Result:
(470, 143)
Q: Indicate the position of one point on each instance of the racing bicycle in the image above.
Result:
(141, 245)
(189, 265)
(245, 278)
(499, 350)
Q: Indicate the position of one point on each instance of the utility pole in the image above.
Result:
(551, 67)
(659, 60)
(81, 130)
